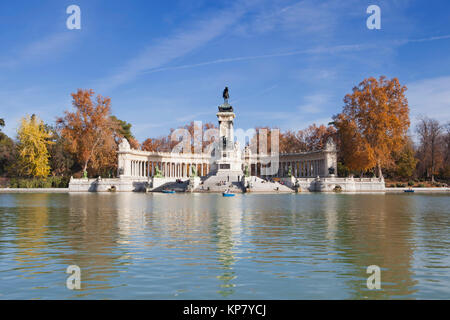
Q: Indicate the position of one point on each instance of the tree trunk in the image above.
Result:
(85, 169)
(380, 174)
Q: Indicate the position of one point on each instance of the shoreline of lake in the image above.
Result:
(388, 190)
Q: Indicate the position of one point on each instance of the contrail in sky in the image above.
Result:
(335, 49)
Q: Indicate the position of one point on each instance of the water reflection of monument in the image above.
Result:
(228, 239)
(203, 227)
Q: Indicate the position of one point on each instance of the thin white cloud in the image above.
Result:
(318, 50)
(430, 97)
(301, 18)
(38, 50)
(428, 39)
(314, 104)
(175, 46)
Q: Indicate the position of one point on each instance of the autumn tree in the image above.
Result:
(445, 170)
(315, 137)
(373, 124)
(429, 132)
(61, 161)
(312, 138)
(405, 161)
(33, 156)
(154, 144)
(90, 131)
(166, 144)
(291, 142)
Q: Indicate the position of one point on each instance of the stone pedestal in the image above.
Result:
(194, 182)
(229, 159)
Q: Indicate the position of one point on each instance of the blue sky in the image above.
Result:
(287, 63)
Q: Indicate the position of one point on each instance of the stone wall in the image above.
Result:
(128, 184)
(108, 185)
(328, 184)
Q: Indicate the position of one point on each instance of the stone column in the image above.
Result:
(139, 164)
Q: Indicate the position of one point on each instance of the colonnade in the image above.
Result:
(140, 168)
(307, 168)
(304, 168)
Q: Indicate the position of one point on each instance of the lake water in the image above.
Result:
(205, 246)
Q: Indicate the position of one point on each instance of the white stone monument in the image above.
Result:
(228, 158)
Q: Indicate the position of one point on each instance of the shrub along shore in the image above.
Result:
(37, 183)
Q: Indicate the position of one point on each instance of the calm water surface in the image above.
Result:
(204, 246)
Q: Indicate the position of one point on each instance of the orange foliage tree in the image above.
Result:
(90, 131)
(312, 138)
(373, 124)
(166, 144)
(155, 144)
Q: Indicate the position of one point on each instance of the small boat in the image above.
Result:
(409, 190)
(168, 191)
(228, 194)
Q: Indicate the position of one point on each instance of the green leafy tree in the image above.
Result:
(124, 130)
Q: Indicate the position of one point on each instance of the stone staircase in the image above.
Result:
(220, 184)
(178, 187)
(260, 185)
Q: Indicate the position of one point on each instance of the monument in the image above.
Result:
(229, 160)
(226, 166)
